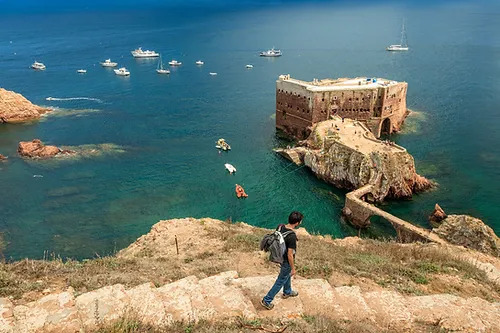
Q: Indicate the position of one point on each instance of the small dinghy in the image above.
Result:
(240, 192)
(222, 144)
(213, 73)
(81, 71)
(249, 66)
(230, 168)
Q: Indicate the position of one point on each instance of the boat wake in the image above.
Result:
(74, 99)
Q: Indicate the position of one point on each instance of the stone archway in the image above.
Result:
(386, 127)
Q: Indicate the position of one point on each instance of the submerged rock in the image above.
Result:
(347, 155)
(36, 149)
(437, 216)
(14, 108)
(3, 158)
(469, 232)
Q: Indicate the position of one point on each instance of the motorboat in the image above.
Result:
(199, 63)
(249, 66)
(140, 53)
(160, 69)
(240, 191)
(222, 144)
(174, 63)
(108, 63)
(38, 66)
(122, 71)
(213, 73)
(230, 168)
(81, 71)
(403, 44)
(271, 53)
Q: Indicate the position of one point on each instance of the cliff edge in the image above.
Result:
(15, 108)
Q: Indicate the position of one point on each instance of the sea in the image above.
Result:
(162, 129)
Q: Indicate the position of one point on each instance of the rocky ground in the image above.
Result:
(347, 155)
(219, 275)
(14, 108)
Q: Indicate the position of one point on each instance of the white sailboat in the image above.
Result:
(403, 44)
(160, 69)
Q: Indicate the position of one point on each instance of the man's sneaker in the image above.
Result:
(293, 294)
(269, 306)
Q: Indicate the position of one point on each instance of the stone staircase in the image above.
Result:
(225, 295)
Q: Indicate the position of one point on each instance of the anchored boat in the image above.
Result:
(160, 69)
(403, 45)
(140, 53)
(122, 72)
(271, 53)
(108, 63)
(38, 66)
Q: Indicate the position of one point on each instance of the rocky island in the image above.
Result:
(346, 154)
(35, 149)
(15, 108)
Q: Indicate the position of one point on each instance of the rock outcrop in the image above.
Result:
(14, 108)
(3, 158)
(226, 296)
(469, 232)
(437, 216)
(37, 150)
(347, 155)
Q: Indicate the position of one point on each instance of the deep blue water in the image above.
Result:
(169, 124)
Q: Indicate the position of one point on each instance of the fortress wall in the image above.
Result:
(293, 109)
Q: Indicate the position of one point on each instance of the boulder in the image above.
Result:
(3, 158)
(469, 232)
(36, 149)
(15, 108)
(437, 216)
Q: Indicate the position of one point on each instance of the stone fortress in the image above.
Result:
(377, 102)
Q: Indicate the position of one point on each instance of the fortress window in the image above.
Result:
(350, 99)
(357, 98)
(363, 99)
(322, 99)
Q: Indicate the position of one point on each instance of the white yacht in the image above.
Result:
(140, 53)
(271, 53)
(122, 72)
(160, 69)
(249, 66)
(108, 63)
(199, 62)
(38, 66)
(81, 71)
(174, 63)
(403, 45)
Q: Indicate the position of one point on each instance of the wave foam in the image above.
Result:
(74, 99)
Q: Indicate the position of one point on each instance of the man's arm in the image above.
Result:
(290, 261)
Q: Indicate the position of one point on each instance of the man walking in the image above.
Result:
(287, 270)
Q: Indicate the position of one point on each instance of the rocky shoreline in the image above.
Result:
(15, 108)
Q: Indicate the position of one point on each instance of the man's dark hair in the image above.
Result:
(295, 217)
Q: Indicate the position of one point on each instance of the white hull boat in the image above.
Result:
(403, 45)
(230, 168)
(38, 66)
(213, 73)
(81, 71)
(249, 66)
(108, 63)
(271, 53)
(140, 53)
(174, 63)
(160, 69)
(122, 72)
(199, 63)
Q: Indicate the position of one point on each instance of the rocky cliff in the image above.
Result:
(14, 108)
(347, 155)
(329, 286)
(469, 232)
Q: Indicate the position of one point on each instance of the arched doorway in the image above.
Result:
(385, 128)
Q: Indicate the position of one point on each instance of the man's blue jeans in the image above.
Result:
(284, 280)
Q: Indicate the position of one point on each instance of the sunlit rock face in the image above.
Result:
(14, 108)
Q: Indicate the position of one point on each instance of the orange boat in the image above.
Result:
(240, 192)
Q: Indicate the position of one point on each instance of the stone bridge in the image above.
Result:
(358, 212)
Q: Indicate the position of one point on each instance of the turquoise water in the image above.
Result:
(168, 125)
